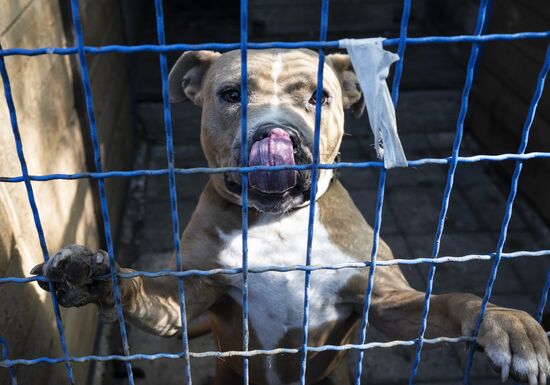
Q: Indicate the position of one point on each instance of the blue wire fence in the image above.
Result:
(477, 39)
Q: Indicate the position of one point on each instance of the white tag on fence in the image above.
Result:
(371, 63)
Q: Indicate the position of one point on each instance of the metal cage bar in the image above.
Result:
(79, 35)
(509, 207)
(171, 171)
(470, 72)
(288, 45)
(172, 186)
(322, 166)
(372, 269)
(288, 268)
(235, 353)
(381, 189)
(543, 296)
(5, 355)
(314, 182)
(35, 213)
(244, 176)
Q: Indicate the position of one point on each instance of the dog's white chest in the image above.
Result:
(276, 299)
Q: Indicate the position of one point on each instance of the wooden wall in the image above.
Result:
(53, 124)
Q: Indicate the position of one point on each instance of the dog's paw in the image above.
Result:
(80, 276)
(516, 345)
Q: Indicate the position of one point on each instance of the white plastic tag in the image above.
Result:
(371, 63)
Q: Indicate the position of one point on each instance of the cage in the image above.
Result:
(468, 70)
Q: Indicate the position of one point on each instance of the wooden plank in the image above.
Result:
(115, 125)
(96, 15)
(27, 323)
(20, 32)
(11, 11)
(21, 323)
(109, 82)
(80, 329)
(112, 33)
(108, 76)
(18, 323)
(6, 241)
(32, 78)
(36, 115)
(51, 133)
(16, 212)
(120, 150)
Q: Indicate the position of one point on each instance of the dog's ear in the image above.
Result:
(185, 78)
(351, 90)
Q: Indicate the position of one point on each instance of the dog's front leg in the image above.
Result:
(81, 276)
(515, 344)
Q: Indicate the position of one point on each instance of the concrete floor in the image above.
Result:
(427, 113)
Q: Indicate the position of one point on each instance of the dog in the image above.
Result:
(281, 118)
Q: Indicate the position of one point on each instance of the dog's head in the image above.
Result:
(281, 117)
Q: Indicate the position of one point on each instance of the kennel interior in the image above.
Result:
(126, 89)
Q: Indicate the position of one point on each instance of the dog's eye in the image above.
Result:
(325, 99)
(231, 96)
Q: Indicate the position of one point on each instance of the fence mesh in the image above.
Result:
(81, 50)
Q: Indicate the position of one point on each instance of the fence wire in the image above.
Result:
(81, 50)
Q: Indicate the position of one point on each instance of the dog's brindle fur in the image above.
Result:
(281, 84)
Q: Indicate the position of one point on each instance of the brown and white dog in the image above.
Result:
(281, 111)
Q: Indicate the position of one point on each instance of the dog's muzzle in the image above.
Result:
(275, 145)
(275, 149)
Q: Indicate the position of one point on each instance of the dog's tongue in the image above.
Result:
(274, 150)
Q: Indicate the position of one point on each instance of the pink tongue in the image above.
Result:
(274, 150)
